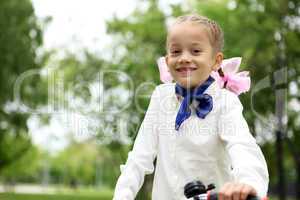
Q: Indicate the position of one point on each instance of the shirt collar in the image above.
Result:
(211, 90)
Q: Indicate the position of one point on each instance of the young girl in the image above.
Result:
(194, 128)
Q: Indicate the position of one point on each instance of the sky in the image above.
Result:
(81, 23)
(75, 24)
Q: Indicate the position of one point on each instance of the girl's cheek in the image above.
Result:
(172, 63)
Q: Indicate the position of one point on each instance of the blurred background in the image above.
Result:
(76, 77)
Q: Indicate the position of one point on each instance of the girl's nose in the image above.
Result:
(185, 58)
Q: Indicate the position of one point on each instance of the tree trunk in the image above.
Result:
(296, 156)
(298, 179)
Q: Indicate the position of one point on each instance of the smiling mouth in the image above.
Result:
(185, 69)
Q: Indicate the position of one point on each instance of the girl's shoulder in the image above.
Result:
(229, 100)
(225, 93)
(165, 89)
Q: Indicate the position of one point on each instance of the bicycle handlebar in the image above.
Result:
(214, 196)
(197, 191)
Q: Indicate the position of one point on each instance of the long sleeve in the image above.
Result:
(248, 163)
(140, 159)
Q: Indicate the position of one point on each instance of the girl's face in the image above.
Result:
(191, 57)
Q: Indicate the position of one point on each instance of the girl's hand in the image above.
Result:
(236, 191)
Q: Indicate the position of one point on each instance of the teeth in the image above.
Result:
(185, 69)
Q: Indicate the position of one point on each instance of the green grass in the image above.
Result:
(13, 196)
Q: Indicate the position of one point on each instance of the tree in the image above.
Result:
(20, 37)
(75, 165)
(80, 94)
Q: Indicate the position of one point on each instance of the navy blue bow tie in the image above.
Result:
(205, 101)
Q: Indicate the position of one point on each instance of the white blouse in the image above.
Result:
(216, 149)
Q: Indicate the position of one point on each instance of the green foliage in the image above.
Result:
(26, 169)
(20, 37)
(75, 165)
(11, 196)
(84, 163)
(142, 36)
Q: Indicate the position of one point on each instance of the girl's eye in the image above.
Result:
(196, 51)
(175, 52)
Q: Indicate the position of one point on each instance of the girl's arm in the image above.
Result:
(140, 159)
(248, 162)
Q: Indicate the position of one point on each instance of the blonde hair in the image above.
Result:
(215, 32)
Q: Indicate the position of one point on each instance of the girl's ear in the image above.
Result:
(218, 61)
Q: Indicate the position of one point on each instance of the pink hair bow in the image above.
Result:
(165, 75)
(236, 82)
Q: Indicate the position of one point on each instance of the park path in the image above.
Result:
(28, 188)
